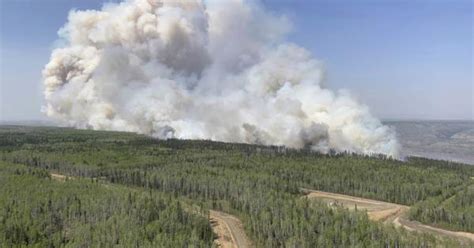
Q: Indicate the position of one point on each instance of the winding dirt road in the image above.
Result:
(231, 234)
(229, 230)
(385, 212)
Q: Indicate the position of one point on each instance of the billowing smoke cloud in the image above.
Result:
(201, 70)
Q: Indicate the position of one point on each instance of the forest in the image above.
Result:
(36, 210)
(130, 190)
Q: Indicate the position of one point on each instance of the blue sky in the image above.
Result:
(405, 59)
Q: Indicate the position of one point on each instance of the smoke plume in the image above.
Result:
(215, 70)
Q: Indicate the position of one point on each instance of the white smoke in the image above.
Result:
(201, 70)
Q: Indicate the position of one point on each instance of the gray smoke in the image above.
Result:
(201, 70)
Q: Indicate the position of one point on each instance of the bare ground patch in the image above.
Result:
(385, 212)
(59, 177)
(229, 230)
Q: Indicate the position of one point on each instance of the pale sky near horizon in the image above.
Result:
(404, 59)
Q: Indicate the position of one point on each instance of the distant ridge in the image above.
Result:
(31, 123)
(449, 140)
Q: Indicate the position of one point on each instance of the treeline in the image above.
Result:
(78, 212)
(382, 179)
(259, 184)
(37, 211)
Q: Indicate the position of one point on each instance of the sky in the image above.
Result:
(405, 59)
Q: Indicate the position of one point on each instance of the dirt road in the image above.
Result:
(384, 211)
(230, 230)
(231, 233)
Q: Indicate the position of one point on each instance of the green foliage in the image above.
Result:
(259, 184)
(79, 213)
(452, 210)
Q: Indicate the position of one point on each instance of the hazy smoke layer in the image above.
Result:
(216, 70)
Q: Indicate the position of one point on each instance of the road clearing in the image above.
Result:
(385, 212)
(231, 234)
(229, 230)
(59, 177)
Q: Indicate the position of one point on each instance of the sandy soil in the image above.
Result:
(229, 230)
(386, 212)
(58, 177)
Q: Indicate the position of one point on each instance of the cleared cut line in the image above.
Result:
(229, 230)
(385, 212)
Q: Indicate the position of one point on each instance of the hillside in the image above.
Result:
(259, 185)
(447, 140)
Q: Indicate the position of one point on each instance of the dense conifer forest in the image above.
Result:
(36, 210)
(130, 190)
